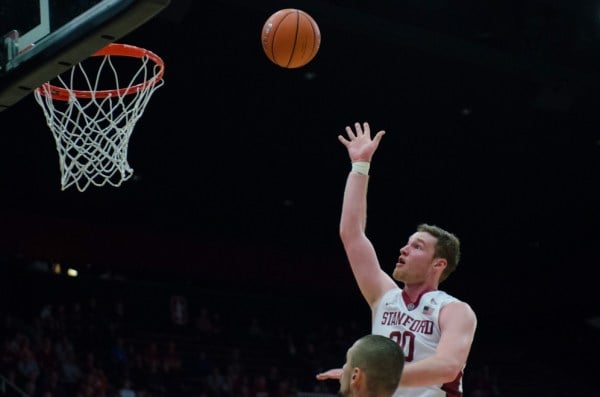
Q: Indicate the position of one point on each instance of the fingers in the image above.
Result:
(366, 129)
(378, 136)
(324, 376)
(350, 133)
(343, 140)
(359, 131)
(330, 374)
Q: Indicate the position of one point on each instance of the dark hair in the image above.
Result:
(447, 247)
(382, 361)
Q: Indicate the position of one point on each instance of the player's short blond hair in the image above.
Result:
(446, 247)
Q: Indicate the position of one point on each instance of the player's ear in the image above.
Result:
(440, 262)
(356, 376)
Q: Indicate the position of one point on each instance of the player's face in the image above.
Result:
(416, 258)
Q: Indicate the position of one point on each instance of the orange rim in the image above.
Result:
(113, 49)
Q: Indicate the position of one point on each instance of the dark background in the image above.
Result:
(491, 113)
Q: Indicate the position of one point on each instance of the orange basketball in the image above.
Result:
(290, 38)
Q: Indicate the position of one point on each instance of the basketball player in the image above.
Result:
(373, 367)
(435, 329)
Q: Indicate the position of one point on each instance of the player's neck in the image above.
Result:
(414, 291)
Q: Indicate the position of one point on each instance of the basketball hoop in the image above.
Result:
(91, 113)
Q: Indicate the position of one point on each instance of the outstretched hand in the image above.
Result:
(335, 373)
(359, 144)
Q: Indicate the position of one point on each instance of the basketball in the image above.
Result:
(290, 38)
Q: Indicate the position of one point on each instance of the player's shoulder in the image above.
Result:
(459, 309)
(442, 297)
(446, 299)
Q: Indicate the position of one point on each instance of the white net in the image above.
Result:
(92, 114)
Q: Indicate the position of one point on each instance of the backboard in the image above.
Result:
(40, 39)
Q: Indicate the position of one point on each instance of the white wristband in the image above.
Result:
(361, 167)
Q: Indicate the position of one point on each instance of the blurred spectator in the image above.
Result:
(241, 386)
(256, 331)
(30, 388)
(46, 315)
(217, 326)
(126, 389)
(217, 384)
(203, 365)
(28, 368)
(119, 356)
(273, 379)
(151, 355)
(260, 387)
(97, 381)
(63, 348)
(50, 383)
(75, 319)
(179, 310)
(172, 368)
(46, 355)
(155, 376)
(8, 355)
(283, 389)
(138, 372)
(203, 323)
(482, 383)
(171, 357)
(235, 363)
(117, 319)
(71, 372)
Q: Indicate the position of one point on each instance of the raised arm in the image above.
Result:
(372, 280)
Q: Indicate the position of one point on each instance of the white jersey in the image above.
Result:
(415, 326)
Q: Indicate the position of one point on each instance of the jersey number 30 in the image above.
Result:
(406, 340)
